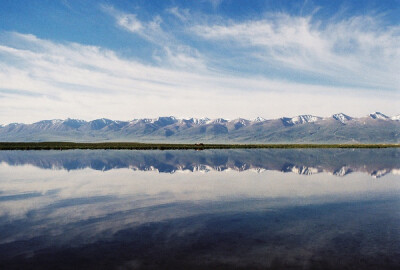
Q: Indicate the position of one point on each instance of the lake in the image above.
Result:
(211, 209)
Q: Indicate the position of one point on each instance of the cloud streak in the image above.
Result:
(357, 51)
(74, 80)
(169, 49)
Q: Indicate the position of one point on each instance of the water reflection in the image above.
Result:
(114, 210)
(340, 162)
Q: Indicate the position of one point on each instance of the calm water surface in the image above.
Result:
(213, 209)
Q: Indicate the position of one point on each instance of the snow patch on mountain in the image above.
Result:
(259, 119)
(241, 121)
(343, 118)
(395, 118)
(378, 115)
(49, 122)
(198, 121)
(219, 121)
(73, 123)
(56, 121)
(301, 119)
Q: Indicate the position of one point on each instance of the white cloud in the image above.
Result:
(149, 30)
(181, 14)
(357, 51)
(41, 79)
(169, 49)
(215, 3)
(129, 22)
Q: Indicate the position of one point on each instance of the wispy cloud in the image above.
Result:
(75, 80)
(170, 51)
(129, 22)
(181, 14)
(149, 30)
(215, 3)
(357, 51)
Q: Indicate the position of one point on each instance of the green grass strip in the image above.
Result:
(164, 146)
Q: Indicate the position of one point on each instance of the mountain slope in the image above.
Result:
(339, 128)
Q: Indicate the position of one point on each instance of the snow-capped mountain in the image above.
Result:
(343, 118)
(378, 115)
(219, 121)
(197, 121)
(259, 119)
(395, 118)
(299, 129)
(301, 119)
(241, 122)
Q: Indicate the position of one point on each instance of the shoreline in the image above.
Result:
(171, 146)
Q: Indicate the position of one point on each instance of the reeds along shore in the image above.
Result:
(164, 146)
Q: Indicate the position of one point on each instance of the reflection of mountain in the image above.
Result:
(340, 162)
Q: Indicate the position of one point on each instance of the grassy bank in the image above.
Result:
(163, 146)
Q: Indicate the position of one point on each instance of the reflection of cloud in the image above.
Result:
(86, 220)
(144, 189)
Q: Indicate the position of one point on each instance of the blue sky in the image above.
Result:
(215, 58)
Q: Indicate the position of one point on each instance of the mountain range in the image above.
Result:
(339, 128)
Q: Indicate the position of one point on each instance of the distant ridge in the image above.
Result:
(339, 128)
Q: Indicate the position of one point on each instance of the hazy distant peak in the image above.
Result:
(219, 121)
(146, 120)
(242, 121)
(301, 119)
(101, 123)
(104, 120)
(341, 117)
(52, 121)
(259, 119)
(72, 120)
(162, 118)
(73, 123)
(378, 115)
(197, 121)
(169, 128)
(395, 118)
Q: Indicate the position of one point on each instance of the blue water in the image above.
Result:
(213, 209)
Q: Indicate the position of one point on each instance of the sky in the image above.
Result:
(217, 58)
